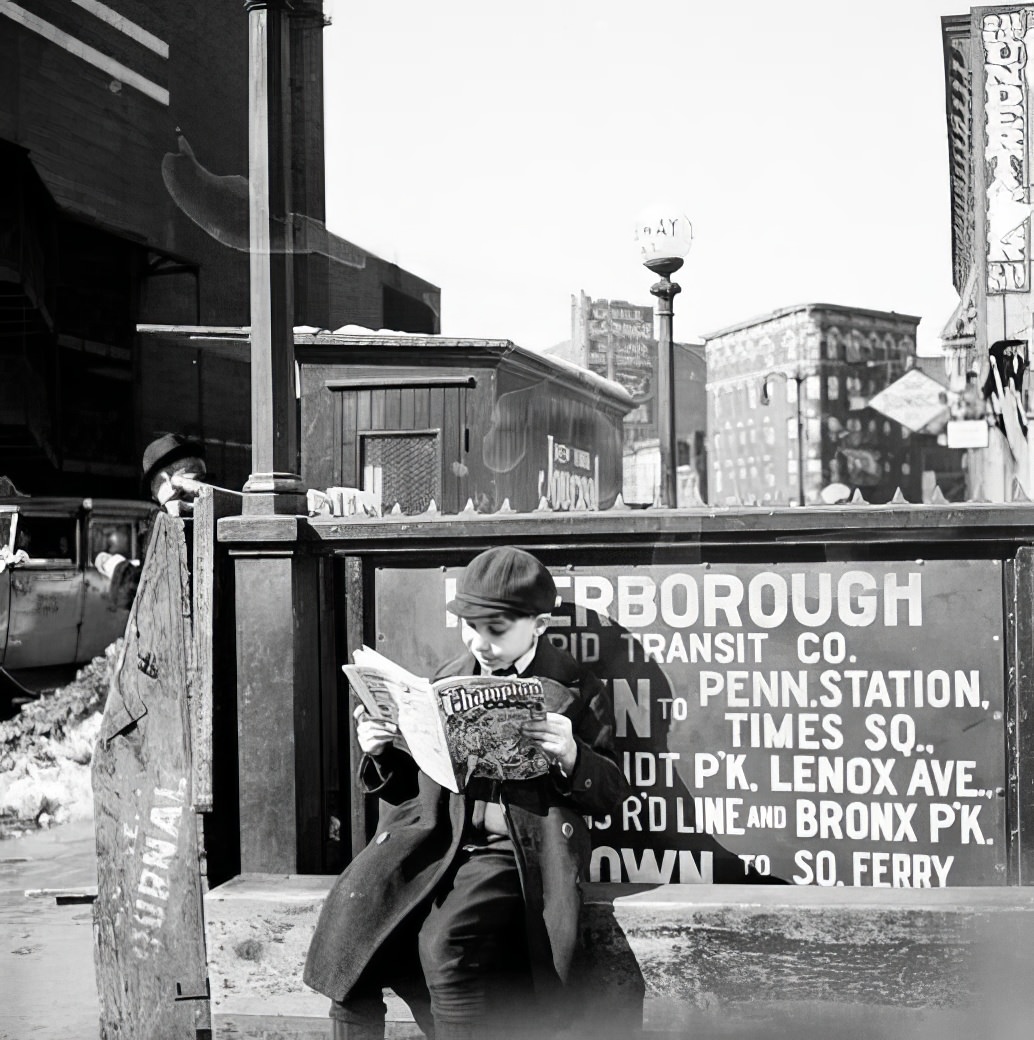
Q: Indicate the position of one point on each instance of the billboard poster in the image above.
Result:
(572, 477)
(620, 346)
(814, 723)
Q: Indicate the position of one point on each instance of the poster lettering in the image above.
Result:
(820, 724)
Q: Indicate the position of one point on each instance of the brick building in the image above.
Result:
(795, 385)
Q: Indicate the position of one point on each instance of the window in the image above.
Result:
(403, 468)
(110, 536)
(48, 538)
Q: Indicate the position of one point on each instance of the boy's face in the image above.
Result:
(497, 641)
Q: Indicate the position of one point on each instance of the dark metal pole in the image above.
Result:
(273, 485)
(666, 290)
(799, 380)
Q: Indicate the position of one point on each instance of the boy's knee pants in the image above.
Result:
(469, 945)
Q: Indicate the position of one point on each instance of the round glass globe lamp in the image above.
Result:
(663, 236)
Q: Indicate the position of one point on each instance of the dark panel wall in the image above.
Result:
(202, 393)
(138, 135)
(99, 142)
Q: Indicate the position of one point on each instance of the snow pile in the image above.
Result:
(45, 751)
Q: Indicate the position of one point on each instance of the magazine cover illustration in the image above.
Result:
(483, 718)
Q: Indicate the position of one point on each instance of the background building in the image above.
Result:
(795, 385)
(988, 102)
(123, 169)
(615, 338)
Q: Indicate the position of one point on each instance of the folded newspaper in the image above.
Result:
(455, 728)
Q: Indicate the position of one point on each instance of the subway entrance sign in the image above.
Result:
(835, 723)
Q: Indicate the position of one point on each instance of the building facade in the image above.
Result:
(986, 341)
(124, 166)
(788, 406)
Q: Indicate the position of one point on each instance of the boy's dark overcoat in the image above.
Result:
(420, 827)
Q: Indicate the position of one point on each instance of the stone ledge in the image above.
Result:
(716, 961)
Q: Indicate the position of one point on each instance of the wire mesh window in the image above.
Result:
(403, 468)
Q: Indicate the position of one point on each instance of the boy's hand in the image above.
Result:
(374, 734)
(553, 734)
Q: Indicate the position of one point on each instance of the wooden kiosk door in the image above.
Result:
(405, 439)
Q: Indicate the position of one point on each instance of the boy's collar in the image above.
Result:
(523, 662)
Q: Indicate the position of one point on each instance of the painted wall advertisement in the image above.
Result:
(831, 724)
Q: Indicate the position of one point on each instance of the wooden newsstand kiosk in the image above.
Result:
(412, 419)
(837, 699)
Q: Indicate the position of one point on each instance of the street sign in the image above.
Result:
(915, 400)
(967, 433)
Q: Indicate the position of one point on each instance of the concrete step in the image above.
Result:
(707, 962)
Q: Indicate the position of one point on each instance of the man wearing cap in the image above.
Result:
(467, 904)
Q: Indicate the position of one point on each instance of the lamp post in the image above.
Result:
(766, 398)
(664, 236)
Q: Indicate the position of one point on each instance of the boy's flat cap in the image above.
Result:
(503, 580)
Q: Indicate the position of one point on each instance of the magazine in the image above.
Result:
(455, 728)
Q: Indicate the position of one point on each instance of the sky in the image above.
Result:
(503, 152)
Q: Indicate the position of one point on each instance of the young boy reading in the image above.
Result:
(467, 904)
